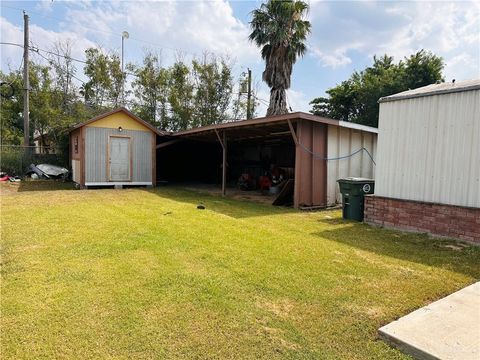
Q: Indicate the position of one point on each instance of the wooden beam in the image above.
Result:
(292, 131)
(219, 138)
(167, 143)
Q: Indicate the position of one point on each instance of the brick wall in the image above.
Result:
(437, 219)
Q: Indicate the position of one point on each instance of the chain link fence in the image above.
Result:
(15, 159)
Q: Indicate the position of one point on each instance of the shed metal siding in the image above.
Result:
(96, 142)
(429, 149)
(344, 141)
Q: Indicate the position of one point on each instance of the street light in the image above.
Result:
(125, 35)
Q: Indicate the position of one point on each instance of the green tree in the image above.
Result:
(96, 69)
(181, 95)
(11, 119)
(356, 99)
(117, 78)
(44, 101)
(150, 89)
(214, 83)
(54, 104)
(105, 79)
(63, 73)
(423, 68)
(279, 28)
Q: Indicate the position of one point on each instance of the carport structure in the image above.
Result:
(298, 141)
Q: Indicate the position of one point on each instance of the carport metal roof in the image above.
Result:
(264, 127)
(273, 127)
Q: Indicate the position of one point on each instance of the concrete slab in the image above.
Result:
(446, 329)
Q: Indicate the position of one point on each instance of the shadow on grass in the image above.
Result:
(44, 185)
(235, 208)
(418, 248)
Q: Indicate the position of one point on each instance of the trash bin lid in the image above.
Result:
(354, 180)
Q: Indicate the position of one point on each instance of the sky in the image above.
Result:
(345, 35)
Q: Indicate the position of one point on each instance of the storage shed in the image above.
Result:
(114, 149)
(428, 166)
(313, 151)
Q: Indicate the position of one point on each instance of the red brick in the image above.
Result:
(437, 219)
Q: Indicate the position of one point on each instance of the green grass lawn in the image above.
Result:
(143, 274)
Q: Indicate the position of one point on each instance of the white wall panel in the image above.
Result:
(76, 171)
(344, 141)
(429, 149)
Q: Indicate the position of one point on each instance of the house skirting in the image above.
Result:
(436, 219)
(122, 183)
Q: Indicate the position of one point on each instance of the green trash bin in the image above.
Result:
(353, 190)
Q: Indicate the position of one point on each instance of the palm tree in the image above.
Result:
(278, 27)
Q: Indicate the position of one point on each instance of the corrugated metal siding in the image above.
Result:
(96, 142)
(429, 149)
(344, 141)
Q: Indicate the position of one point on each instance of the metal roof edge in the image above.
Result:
(261, 120)
(350, 125)
(429, 93)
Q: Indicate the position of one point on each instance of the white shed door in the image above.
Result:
(119, 159)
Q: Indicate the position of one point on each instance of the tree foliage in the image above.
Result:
(53, 107)
(11, 120)
(356, 99)
(150, 89)
(105, 79)
(176, 97)
(182, 95)
(279, 28)
(213, 89)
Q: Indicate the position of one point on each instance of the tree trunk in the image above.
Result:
(278, 102)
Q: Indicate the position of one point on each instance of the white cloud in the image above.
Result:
(449, 29)
(39, 37)
(297, 100)
(335, 59)
(193, 27)
(44, 5)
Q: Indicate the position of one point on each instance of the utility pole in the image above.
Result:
(249, 95)
(26, 84)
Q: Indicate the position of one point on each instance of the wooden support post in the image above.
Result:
(292, 131)
(223, 142)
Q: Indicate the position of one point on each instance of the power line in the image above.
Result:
(37, 49)
(265, 102)
(68, 72)
(18, 70)
(59, 19)
(116, 33)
